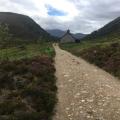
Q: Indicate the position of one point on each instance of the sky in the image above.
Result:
(83, 16)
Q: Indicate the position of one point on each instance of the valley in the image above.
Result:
(45, 77)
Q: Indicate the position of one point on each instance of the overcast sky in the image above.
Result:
(82, 16)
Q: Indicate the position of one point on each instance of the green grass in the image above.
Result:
(27, 51)
(77, 48)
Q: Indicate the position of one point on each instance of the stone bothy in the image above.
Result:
(67, 38)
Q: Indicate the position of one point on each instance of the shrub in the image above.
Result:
(105, 55)
(31, 86)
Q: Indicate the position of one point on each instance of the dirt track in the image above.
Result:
(85, 92)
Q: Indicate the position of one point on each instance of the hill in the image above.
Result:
(111, 29)
(59, 33)
(79, 35)
(56, 32)
(22, 26)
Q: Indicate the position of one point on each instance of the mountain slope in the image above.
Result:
(59, 33)
(56, 32)
(79, 35)
(109, 30)
(22, 26)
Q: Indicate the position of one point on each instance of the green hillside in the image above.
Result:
(109, 31)
(22, 26)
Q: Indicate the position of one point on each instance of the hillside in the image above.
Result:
(56, 32)
(59, 33)
(79, 35)
(22, 26)
(111, 29)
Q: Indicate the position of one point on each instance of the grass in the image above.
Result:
(27, 83)
(27, 51)
(105, 54)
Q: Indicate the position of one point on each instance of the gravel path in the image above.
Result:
(85, 92)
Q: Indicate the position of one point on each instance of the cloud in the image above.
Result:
(78, 15)
(27, 4)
